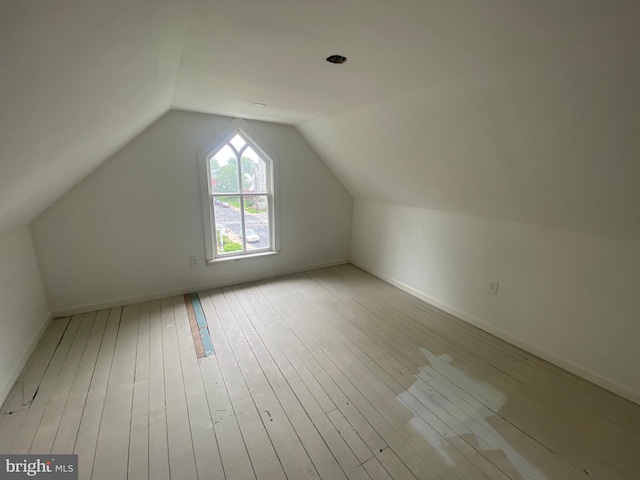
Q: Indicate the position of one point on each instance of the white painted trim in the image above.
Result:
(205, 183)
(272, 152)
(584, 373)
(22, 361)
(235, 258)
(195, 288)
(223, 137)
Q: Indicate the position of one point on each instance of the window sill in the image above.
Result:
(241, 257)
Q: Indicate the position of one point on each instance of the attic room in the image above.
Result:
(226, 254)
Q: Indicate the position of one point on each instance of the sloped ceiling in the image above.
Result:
(78, 79)
(516, 109)
(550, 138)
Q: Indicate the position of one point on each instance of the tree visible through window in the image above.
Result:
(240, 193)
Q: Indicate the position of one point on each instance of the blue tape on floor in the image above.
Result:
(197, 309)
(206, 341)
(207, 344)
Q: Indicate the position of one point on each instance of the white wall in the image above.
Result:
(127, 231)
(24, 310)
(571, 297)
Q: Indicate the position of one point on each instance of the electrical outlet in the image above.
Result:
(195, 262)
(493, 287)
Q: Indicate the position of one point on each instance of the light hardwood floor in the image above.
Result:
(330, 374)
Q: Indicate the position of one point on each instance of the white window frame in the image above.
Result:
(207, 196)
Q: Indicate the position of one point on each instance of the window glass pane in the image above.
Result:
(237, 141)
(224, 171)
(254, 172)
(228, 224)
(256, 218)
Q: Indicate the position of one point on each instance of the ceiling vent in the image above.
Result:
(337, 59)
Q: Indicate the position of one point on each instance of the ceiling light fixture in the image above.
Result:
(259, 105)
(337, 59)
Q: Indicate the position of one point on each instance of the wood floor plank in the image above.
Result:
(262, 318)
(48, 428)
(610, 473)
(297, 352)
(181, 453)
(326, 374)
(205, 443)
(23, 391)
(558, 434)
(67, 434)
(266, 322)
(607, 403)
(259, 336)
(233, 451)
(555, 394)
(328, 451)
(350, 436)
(503, 463)
(265, 462)
(85, 445)
(31, 375)
(375, 470)
(373, 416)
(232, 346)
(158, 441)
(373, 388)
(33, 416)
(138, 466)
(112, 449)
(528, 366)
(435, 431)
(392, 464)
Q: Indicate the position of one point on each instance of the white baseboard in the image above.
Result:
(585, 373)
(194, 288)
(7, 385)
